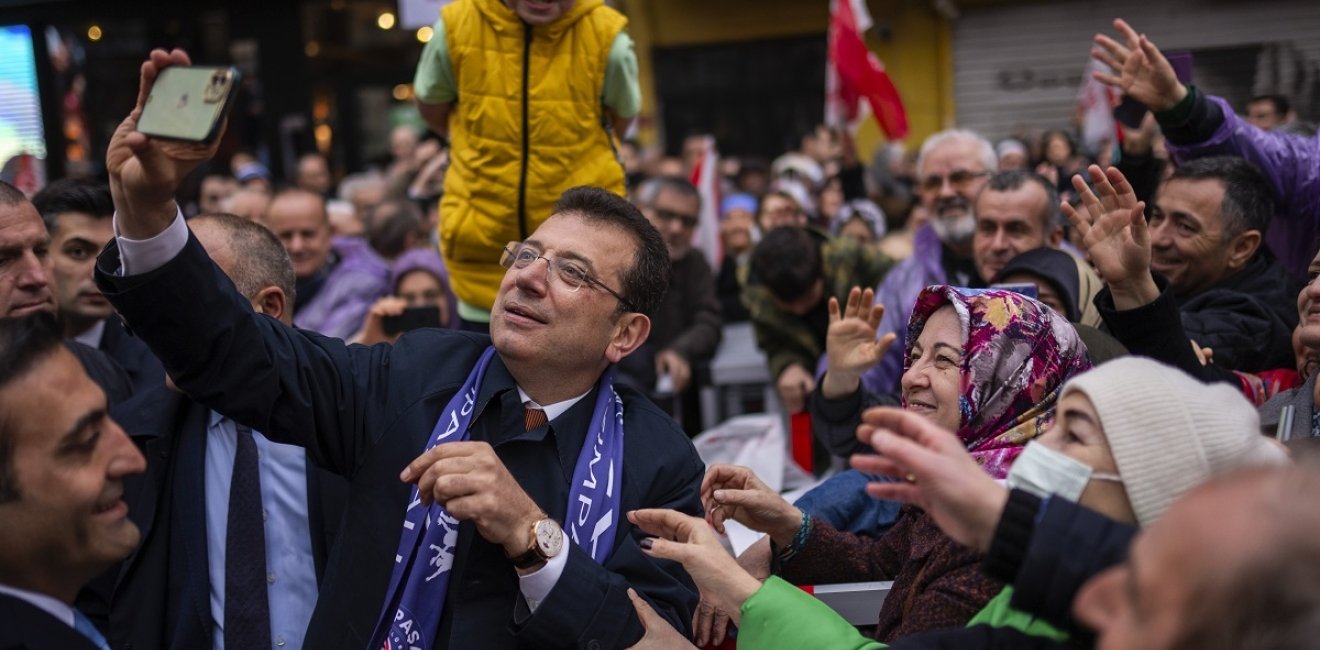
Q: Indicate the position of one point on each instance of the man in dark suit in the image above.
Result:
(62, 466)
(175, 591)
(25, 285)
(77, 216)
(500, 439)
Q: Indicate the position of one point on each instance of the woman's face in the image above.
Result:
(1308, 307)
(422, 289)
(933, 382)
(736, 231)
(1056, 150)
(858, 229)
(1077, 433)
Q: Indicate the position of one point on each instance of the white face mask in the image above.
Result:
(1043, 471)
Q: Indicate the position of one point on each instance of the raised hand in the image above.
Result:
(732, 492)
(1115, 236)
(1142, 71)
(850, 344)
(146, 173)
(936, 474)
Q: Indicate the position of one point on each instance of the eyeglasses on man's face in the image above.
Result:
(688, 221)
(958, 180)
(573, 275)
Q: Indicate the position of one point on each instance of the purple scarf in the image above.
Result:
(416, 595)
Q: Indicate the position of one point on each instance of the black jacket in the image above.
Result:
(24, 626)
(365, 413)
(1248, 318)
(162, 599)
(143, 368)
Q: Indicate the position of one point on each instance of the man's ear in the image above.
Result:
(629, 334)
(272, 302)
(1241, 248)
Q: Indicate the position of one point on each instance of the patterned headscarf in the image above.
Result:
(1017, 355)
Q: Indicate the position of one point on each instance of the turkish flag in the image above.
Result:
(853, 73)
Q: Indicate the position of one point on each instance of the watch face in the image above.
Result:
(549, 537)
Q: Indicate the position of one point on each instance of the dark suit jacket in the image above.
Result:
(103, 370)
(163, 598)
(143, 368)
(27, 627)
(367, 412)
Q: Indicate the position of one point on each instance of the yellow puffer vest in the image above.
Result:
(512, 157)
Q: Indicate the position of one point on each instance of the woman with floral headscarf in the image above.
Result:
(987, 364)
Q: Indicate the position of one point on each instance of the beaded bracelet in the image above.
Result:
(799, 540)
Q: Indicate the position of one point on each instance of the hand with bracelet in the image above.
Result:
(732, 492)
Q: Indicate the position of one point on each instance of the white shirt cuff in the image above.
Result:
(138, 256)
(536, 586)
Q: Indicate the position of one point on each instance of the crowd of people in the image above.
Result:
(1075, 390)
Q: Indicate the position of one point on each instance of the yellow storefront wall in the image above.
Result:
(917, 54)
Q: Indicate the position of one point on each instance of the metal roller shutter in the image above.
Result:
(1018, 68)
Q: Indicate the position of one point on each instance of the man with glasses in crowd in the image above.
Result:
(952, 168)
(515, 472)
(685, 330)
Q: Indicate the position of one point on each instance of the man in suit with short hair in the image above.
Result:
(63, 462)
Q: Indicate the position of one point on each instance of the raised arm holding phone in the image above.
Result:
(487, 441)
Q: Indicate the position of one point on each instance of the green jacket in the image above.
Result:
(781, 616)
(782, 336)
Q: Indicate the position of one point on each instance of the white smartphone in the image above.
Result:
(189, 103)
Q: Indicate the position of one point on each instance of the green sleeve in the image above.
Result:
(622, 92)
(999, 613)
(780, 615)
(434, 82)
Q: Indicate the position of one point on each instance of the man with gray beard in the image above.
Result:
(951, 170)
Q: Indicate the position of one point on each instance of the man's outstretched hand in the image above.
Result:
(1140, 69)
(1115, 236)
(145, 173)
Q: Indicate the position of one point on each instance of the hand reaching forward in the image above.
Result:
(732, 492)
(936, 474)
(1115, 236)
(1143, 72)
(850, 344)
(691, 542)
(146, 173)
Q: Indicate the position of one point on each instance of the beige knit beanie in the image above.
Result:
(1168, 432)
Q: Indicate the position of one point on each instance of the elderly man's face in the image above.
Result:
(25, 264)
(951, 177)
(299, 220)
